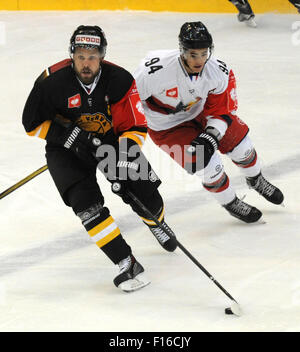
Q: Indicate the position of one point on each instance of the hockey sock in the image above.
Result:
(249, 165)
(221, 189)
(103, 230)
(243, 6)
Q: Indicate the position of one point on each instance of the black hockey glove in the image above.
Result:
(75, 137)
(210, 145)
(84, 144)
(132, 172)
(126, 167)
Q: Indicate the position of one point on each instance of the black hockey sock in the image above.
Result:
(243, 6)
(117, 249)
(103, 230)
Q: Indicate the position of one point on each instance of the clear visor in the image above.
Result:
(203, 54)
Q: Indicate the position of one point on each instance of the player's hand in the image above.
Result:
(126, 169)
(210, 145)
(74, 137)
(209, 142)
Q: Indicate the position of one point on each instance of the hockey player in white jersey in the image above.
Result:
(190, 103)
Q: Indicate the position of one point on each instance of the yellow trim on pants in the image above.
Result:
(151, 222)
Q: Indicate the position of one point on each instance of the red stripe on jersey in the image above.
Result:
(225, 103)
(109, 63)
(155, 104)
(59, 65)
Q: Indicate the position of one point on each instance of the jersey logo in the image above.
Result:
(94, 123)
(172, 93)
(137, 107)
(191, 104)
(74, 101)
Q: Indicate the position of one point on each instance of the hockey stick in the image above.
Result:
(234, 308)
(22, 182)
(61, 121)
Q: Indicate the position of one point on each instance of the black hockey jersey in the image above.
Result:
(114, 102)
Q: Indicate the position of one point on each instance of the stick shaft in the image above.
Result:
(23, 181)
(185, 251)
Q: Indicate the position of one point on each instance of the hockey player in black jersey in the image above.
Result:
(246, 13)
(83, 106)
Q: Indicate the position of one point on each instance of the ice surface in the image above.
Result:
(52, 278)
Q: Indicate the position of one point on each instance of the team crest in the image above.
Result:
(172, 93)
(97, 123)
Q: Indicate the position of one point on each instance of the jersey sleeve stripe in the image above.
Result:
(138, 137)
(41, 130)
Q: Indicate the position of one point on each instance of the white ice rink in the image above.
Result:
(53, 278)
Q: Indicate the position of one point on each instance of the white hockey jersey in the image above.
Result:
(170, 96)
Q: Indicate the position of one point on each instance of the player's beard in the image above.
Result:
(86, 75)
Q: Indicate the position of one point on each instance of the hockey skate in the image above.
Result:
(243, 211)
(248, 19)
(166, 239)
(131, 276)
(246, 14)
(265, 188)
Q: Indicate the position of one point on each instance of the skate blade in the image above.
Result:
(135, 284)
(260, 221)
(251, 23)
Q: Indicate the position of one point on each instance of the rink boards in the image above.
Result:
(217, 6)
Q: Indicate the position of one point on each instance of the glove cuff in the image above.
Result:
(211, 139)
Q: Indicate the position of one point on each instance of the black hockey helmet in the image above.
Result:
(88, 37)
(194, 35)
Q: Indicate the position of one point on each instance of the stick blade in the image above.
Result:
(236, 309)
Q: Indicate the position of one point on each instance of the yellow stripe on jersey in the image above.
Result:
(41, 131)
(153, 223)
(104, 232)
(138, 137)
